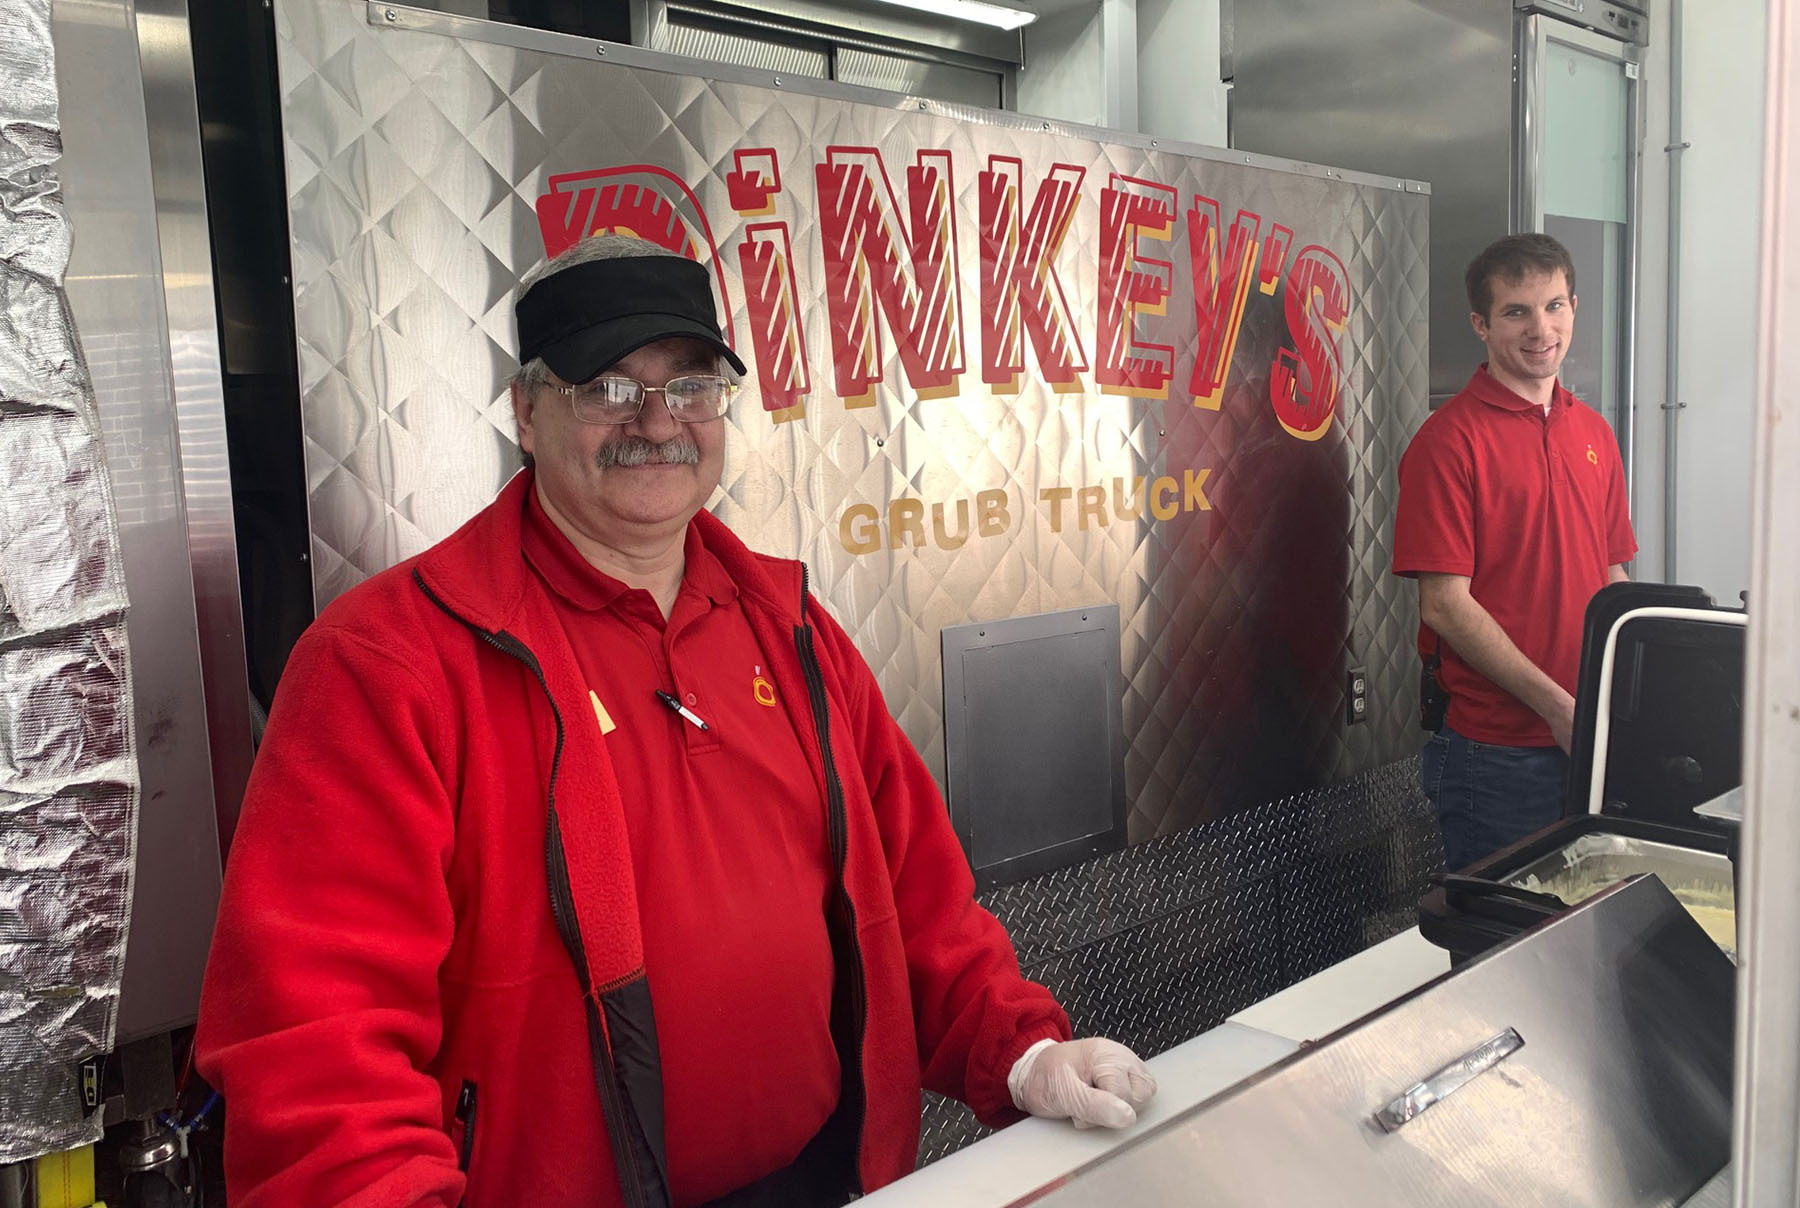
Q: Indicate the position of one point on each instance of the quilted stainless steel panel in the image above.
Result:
(418, 147)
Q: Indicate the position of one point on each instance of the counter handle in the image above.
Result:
(1418, 1098)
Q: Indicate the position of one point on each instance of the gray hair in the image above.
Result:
(595, 247)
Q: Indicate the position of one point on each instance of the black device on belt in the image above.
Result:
(1434, 702)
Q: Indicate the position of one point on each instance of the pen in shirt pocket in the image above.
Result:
(680, 709)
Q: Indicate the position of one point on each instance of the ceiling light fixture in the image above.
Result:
(997, 15)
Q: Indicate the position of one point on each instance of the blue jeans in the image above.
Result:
(1490, 796)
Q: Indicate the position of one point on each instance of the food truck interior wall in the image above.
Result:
(1177, 931)
(1230, 941)
(1069, 55)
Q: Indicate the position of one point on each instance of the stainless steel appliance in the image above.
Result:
(1524, 117)
(1587, 1062)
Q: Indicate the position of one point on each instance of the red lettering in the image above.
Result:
(766, 260)
(1019, 285)
(1221, 285)
(579, 204)
(1269, 275)
(635, 199)
(1304, 381)
(865, 271)
(564, 212)
(1130, 285)
(754, 180)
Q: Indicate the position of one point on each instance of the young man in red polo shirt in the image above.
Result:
(1512, 515)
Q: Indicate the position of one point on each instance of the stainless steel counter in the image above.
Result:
(998, 1169)
(1716, 1193)
(1619, 1094)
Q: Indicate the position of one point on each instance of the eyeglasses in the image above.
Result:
(694, 399)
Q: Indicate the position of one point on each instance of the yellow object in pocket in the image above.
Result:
(601, 715)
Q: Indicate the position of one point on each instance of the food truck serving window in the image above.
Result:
(839, 42)
(859, 42)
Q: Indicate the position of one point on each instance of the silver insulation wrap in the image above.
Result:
(68, 766)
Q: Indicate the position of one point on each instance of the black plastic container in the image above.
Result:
(1675, 717)
(1675, 726)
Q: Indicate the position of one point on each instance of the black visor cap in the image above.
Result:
(586, 318)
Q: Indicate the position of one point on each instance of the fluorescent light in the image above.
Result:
(997, 15)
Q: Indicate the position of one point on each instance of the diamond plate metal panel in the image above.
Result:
(415, 160)
(1168, 938)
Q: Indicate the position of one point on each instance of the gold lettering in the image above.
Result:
(906, 516)
(1124, 508)
(1055, 497)
(1164, 486)
(994, 516)
(869, 538)
(1092, 501)
(1193, 490)
(944, 539)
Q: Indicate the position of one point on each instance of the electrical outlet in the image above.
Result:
(1356, 696)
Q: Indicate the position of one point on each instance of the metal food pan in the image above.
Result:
(1700, 880)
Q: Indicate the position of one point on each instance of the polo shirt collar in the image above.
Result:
(1487, 388)
(576, 580)
(704, 572)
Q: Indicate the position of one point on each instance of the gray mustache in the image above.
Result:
(679, 450)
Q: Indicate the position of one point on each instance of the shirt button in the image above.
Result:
(691, 700)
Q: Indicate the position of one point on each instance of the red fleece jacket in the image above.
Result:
(386, 933)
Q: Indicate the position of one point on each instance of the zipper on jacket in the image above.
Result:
(465, 1115)
(837, 831)
(562, 909)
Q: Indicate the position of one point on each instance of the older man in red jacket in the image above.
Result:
(583, 863)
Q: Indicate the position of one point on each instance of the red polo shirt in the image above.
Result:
(1532, 509)
(728, 842)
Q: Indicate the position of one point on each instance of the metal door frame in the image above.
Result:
(1531, 33)
(172, 109)
(1767, 1112)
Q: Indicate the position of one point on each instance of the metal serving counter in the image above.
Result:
(1015, 1161)
(1586, 1062)
(1619, 1093)
(1011, 1163)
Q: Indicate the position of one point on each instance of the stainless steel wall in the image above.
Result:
(417, 147)
(140, 288)
(1415, 88)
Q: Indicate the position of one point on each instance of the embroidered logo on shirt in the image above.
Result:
(607, 725)
(762, 690)
(1593, 457)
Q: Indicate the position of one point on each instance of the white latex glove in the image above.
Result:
(1095, 1083)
